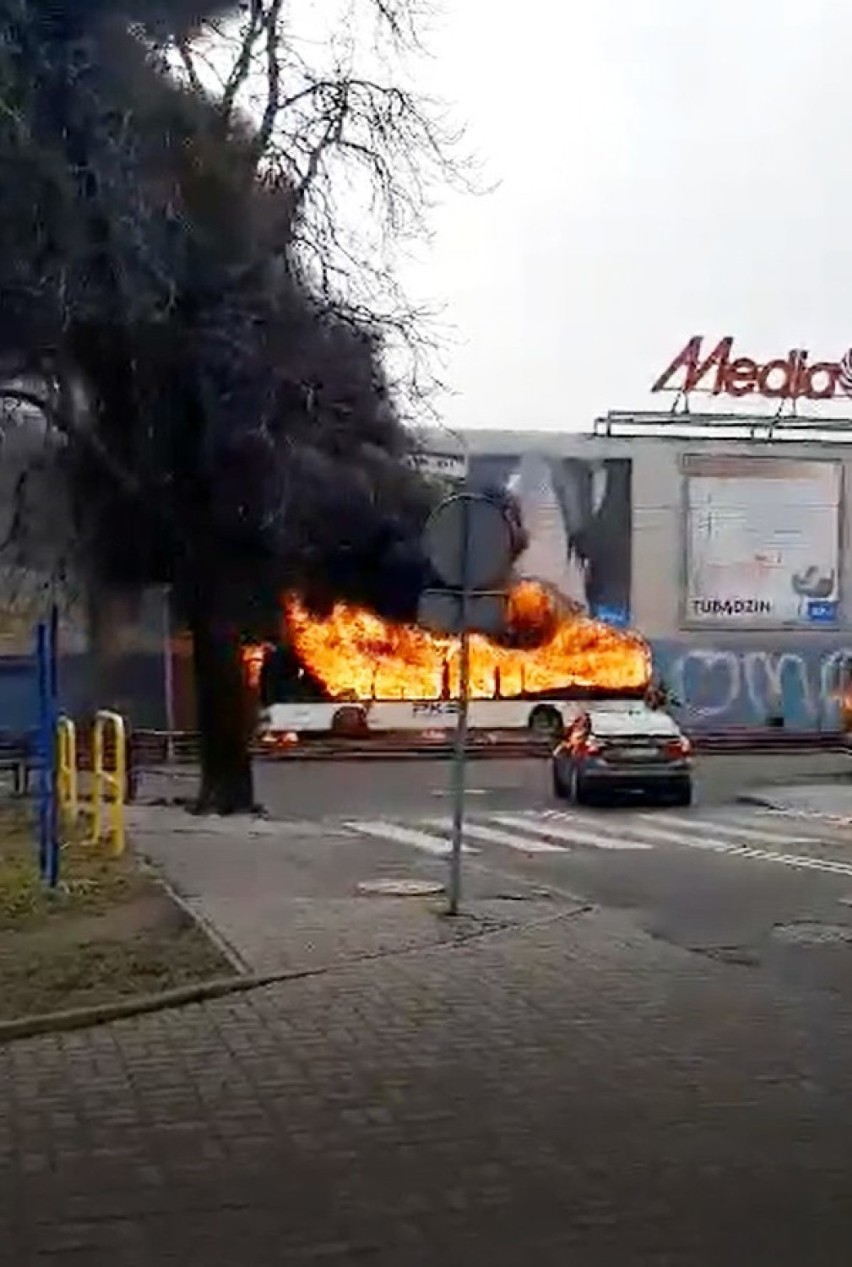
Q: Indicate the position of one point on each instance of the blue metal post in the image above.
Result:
(53, 654)
(48, 845)
(53, 708)
(43, 761)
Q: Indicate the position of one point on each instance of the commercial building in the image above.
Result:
(725, 542)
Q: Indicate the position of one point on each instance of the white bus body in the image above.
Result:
(278, 722)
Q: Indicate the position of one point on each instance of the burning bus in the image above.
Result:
(354, 672)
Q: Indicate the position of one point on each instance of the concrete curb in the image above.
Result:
(762, 802)
(796, 812)
(205, 926)
(207, 991)
(765, 800)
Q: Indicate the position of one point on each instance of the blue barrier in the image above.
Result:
(28, 747)
(47, 679)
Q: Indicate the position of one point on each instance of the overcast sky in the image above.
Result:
(668, 167)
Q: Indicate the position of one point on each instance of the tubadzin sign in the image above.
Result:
(718, 372)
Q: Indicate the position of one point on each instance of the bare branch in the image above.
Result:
(242, 66)
(272, 108)
(188, 61)
(338, 125)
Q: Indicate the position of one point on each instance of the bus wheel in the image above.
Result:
(546, 723)
(350, 722)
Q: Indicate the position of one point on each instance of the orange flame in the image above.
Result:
(550, 647)
(253, 657)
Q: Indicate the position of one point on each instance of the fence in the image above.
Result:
(109, 790)
(42, 756)
(67, 781)
(109, 783)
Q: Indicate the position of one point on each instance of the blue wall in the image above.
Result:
(18, 694)
(726, 683)
(136, 691)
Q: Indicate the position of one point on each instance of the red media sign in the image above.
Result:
(719, 373)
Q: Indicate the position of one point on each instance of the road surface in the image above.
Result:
(724, 879)
(313, 789)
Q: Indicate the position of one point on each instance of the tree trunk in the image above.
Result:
(227, 783)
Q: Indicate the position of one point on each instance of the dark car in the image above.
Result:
(623, 751)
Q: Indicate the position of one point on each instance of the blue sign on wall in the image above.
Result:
(822, 611)
(612, 616)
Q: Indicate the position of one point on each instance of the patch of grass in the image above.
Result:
(38, 976)
(91, 878)
(109, 930)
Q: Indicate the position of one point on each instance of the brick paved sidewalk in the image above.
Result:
(567, 1093)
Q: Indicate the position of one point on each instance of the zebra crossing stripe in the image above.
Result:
(811, 864)
(421, 840)
(733, 828)
(564, 830)
(699, 841)
(717, 845)
(723, 845)
(838, 820)
(566, 827)
(478, 831)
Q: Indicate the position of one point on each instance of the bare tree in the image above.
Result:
(36, 523)
(177, 282)
(340, 123)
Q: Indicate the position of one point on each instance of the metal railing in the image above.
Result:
(67, 782)
(109, 785)
(149, 751)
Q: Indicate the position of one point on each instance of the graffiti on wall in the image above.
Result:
(719, 687)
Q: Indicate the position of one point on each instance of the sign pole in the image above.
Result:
(460, 753)
(468, 541)
(168, 675)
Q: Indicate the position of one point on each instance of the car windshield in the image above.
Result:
(632, 722)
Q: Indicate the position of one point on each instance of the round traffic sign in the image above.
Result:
(468, 541)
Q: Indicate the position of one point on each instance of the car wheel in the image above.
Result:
(350, 722)
(579, 791)
(682, 795)
(546, 723)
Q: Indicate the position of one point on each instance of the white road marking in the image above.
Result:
(799, 861)
(396, 832)
(565, 830)
(732, 827)
(838, 820)
(523, 832)
(812, 864)
(698, 840)
(478, 831)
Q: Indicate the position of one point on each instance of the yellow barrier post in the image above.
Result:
(109, 786)
(67, 793)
